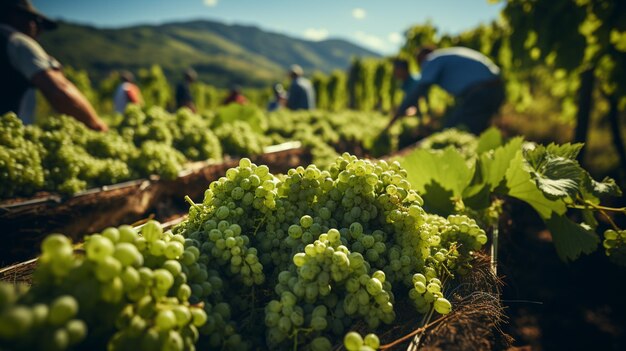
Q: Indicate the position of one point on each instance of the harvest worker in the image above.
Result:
(25, 65)
(235, 96)
(301, 95)
(409, 82)
(183, 90)
(469, 76)
(280, 98)
(127, 92)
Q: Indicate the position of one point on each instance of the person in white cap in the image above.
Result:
(301, 95)
(25, 65)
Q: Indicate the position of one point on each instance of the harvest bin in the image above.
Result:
(26, 222)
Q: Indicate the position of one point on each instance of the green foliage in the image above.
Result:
(251, 115)
(548, 178)
(154, 87)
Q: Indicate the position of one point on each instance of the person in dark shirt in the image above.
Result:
(469, 76)
(301, 94)
(183, 91)
(25, 66)
(408, 82)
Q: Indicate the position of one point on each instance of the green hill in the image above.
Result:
(222, 54)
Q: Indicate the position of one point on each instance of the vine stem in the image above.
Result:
(494, 249)
(598, 207)
(603, 210)
(608, 218)
(413, 333)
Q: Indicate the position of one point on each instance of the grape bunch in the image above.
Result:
(466, 143)
(335, 246)
(54, 322)
(328, 277)
(239, 139)
(125, 292)
(21, 171)
(193, 137)
(615, 245)
(157, 158)
(62, 155)
(353, 341)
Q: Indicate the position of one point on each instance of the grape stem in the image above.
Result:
(588, 204)
(415, 332)
(193, 204)
(494, 249)
(259, 226)
(603, 210)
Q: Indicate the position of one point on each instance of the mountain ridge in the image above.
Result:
(222, 54)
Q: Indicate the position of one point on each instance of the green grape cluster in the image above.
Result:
(193, 137)
(157, 158)
(353, 341)
(328, 277)
(128, 292)
(239, 139)
(187, 132)
(21, 171)
(336, 247)
(615, 245)
(54, 322)
(427, 291)
(326, 133)
(466, 143)
(62, 155)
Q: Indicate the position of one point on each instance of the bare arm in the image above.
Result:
(190, 105)
(65, 98)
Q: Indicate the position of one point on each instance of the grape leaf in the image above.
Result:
(449, 168)
(437, 199)
(567, 150)
(558, 177)
(520, 185)
(489, 140)
(571, 239)
(607, 187)
(477, 197)
(494, 166)
(538, 155)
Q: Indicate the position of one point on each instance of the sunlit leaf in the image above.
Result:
(571, 239)
(520, 185)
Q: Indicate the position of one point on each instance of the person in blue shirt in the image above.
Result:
(469, 76)
(301, 95)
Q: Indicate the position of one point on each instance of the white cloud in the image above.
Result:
(371, 41)
(210, 3)
(316, 34)
(359, 13)
(395, 38)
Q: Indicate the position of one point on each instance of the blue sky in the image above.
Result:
(375, 24)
